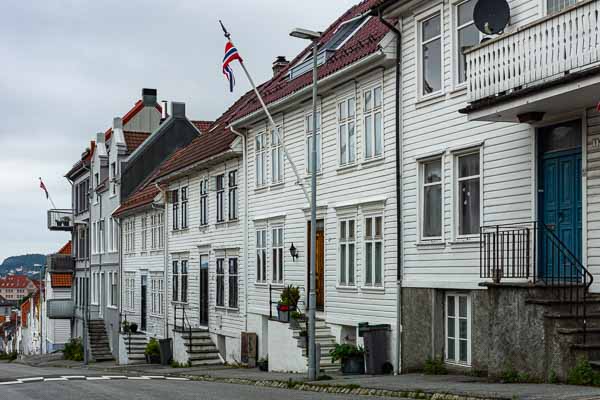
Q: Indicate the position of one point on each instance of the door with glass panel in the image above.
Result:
(204, 290)
(458, 329)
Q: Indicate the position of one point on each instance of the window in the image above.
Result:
(115, 235)
(184, 281)
(153, 232)
(458, 329)
(347, 252)
(157, 293)
(220, 201)
(309, 140)
(130, 291)
(261, 255)
(468, 191)
(346, 131)
(153, 296)
(373, 251)
(220, 301)
(96, 184)
(373, 105)
(81, 196)
(161, 231)
(554, 6)
(233, 196)
(467, 36)
(431, 199)
(114, 289)
(175, 199)
(233, 283)
(204, 202)
(175, 280)
(129, 230)
(113, 178)
(101, 236)
(430, 39)
(260, 159)
(184, 208)
(277, 255)
(144, 233)
(276, 156)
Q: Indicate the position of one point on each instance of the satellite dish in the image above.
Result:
(491, 16)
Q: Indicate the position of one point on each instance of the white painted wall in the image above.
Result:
(286, 356)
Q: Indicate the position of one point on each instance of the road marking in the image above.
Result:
(114, 376)
(73, 377)
(55, 379)
(10, 383)
(171, 378)
(96, 378)
(153, 376)
(33, 379)
(138, 378)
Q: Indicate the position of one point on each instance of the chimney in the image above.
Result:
(149, 97)
(163, 113)
(279, 64)
(178, 109)
(99, 137)
(117, 123)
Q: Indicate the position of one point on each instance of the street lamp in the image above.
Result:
(312, 298)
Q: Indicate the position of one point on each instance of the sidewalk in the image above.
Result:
(438, 387)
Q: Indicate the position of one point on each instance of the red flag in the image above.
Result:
(43, 187)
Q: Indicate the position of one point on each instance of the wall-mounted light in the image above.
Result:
(293, 252)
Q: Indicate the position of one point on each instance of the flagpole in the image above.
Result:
(48, 193)
(271, 120)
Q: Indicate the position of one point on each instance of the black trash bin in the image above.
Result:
(375, 338)
(166, 351)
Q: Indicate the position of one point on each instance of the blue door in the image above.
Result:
(560, 198)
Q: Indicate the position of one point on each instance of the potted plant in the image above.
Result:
(352, 357)
(152, 352)
(126, 327)
(133, 327)
(297, 318)
(263, 364)
(288, 302)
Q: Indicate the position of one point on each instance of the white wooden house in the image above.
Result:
(498, 189)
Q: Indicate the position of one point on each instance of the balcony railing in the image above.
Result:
(60, 220)
(540, 52)
(60, 263)
(61, 309)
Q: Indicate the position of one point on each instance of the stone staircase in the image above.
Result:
(135, 345)
(200, 348)
(99, 346)
(325, 339)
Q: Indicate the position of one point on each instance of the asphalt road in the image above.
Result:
(134, 389)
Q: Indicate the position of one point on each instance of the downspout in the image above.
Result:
(120, 270)
(166, 259)
(88, 270)
(398, 366)
(245, 230)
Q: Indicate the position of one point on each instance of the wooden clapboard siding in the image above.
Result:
(593, 195)
(435, 127)
(285, 204)
(215, 240)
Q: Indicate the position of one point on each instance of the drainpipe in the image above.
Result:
(166, 259)
(379, 13)
(245, 230)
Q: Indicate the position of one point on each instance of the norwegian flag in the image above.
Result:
(43, 187)
(231, 54)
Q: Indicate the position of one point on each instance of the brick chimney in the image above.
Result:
(279, 64)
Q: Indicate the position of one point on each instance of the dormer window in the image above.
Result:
(113, 178)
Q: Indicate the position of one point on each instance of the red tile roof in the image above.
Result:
(15, 281)
(203, 126)
(134, 139)
(143, 197)
(85, 159)
(61, 280)
(66, 249)
(363, 43)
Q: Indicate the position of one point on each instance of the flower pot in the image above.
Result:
(283, 313)
(133, 327)
(353, 365)
(263, 365)
(152, 358)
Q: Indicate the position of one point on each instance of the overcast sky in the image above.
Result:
(68, 67)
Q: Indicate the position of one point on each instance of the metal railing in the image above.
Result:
(273, 302)
(534, 252)
(60, 220)
(185, 322)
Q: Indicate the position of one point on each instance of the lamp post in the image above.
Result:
(312, 297)
(41, 267)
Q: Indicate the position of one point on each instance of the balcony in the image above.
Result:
(60, 220)
(61, 309)
(548, 66)
(60, 263)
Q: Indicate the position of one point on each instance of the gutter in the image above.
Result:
(185, 170)
(245, 241)
(379, 13)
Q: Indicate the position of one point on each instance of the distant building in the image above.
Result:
(15, 287)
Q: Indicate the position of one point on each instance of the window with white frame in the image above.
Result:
(204, 202)
(431, 199)
(175, 199)
(276, 156)
(468, 192)
(144, 233)
(554, 6)
(175, 280)
(232, 294)
(260, 159)
(130, 291)
(430, 54)
(184, 207)
(373, 122)
(346, 131)
(156, 294)
(161, 230)
(94, 288)
(277, 255)
(113, 178)
(94, 239)
(347, 252)
(458, 328)
(220, 197)
(184, 281)
(220, 300)
(102, 235)
(110, 234)
(309, 126)
(373, 251)
(233, 195)
(153, 232)
(466, 36)
(114, 289)
(261, 255)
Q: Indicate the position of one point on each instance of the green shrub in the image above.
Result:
(435, 366)
(74, 350)
(510, 375)
(152, 348)
(553, 378)
(175, 364)
(9, 356)
(290, 296)
(583, 374)
(346, 350)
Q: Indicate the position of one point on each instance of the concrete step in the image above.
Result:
(200, 347)
(204, 357)
(214, 350)
(198, 342)
(196, 363)
(196, 335)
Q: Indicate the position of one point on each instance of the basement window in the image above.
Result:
(458, 329)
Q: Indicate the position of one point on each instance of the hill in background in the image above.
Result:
(26, 261)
